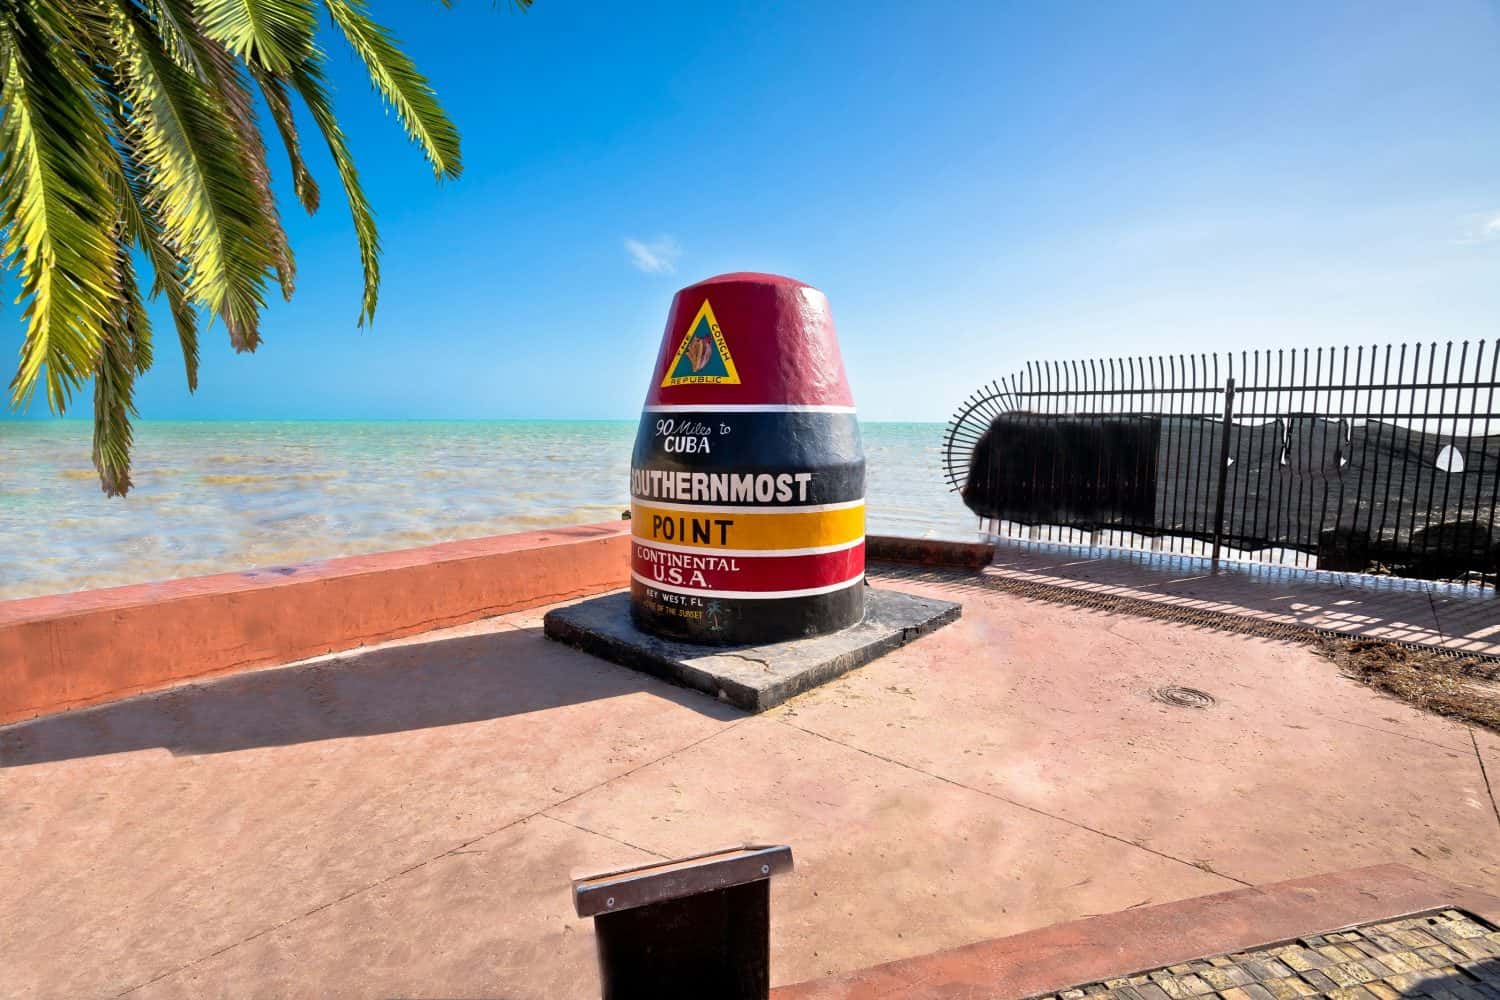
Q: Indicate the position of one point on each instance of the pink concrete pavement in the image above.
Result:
(404, 820)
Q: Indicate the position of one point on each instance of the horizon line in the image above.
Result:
(383, 420)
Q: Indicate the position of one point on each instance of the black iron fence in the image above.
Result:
(1376, 460)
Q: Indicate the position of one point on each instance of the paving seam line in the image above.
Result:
(436, 857)
(1056, 593)
(1019, 805)
(605, 836)
(1484, 773)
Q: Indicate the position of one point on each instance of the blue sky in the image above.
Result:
(973, 185)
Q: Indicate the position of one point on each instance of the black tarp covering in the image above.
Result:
(1291, 482)
(1059, 470)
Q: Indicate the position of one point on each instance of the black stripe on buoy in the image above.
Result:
(821, 451)
(717, 620)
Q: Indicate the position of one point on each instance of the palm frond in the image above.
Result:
(177, 28)
(125, 353)
(520, 5)
(228, 82)
(55, 206)
(273, 90)
(144, 227)
(137, 322)
(397, 79)
(275, 34)
(212, 212)
(130, 124)
(307, 80)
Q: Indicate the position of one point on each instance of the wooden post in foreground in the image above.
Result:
(696, 927)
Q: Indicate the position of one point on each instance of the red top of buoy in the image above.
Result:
(747, 339)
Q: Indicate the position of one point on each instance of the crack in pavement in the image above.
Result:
(437, 857)
(1392, 732)
(763, 664)
(1201, 866)
(606, 836)
(1485, 775)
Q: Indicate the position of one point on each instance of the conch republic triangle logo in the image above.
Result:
(703, 356)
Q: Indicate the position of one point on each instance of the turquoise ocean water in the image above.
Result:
(215, 496)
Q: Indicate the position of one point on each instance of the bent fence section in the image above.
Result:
(1378, 460)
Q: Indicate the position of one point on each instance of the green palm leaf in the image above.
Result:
(396, 78)
(178, 30)
(273, 90)
(126, 353)
(228, 81)
(55, 205)
(144, 227)
(211, 207)
(307, 79)
(276, 34)
(131, 124)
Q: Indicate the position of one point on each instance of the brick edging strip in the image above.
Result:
(1139, 940)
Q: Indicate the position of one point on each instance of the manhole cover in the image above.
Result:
(1182, 697)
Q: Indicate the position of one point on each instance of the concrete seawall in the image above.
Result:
(72, 650)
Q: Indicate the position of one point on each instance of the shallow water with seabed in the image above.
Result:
(220, 496)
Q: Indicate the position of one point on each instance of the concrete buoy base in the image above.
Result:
(753, 678)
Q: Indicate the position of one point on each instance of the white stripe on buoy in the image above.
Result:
(698, 550)
(750, 594)
(745, 408)
(783, 508)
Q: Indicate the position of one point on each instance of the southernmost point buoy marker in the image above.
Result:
(747, 499)
(748, 480)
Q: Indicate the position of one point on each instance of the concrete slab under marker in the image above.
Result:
(753, 678)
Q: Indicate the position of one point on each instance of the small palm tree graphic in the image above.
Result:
(713, 610)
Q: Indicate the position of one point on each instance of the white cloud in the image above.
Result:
(656, 257)
(1481, 229)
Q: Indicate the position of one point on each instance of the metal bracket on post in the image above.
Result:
(1223, 473)
(695, 927)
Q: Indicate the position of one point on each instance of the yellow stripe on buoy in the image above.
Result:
(748, 528)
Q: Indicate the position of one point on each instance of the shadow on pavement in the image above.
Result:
(361, 693)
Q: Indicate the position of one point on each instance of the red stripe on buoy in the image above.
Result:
(706, 572)
(774, 343)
